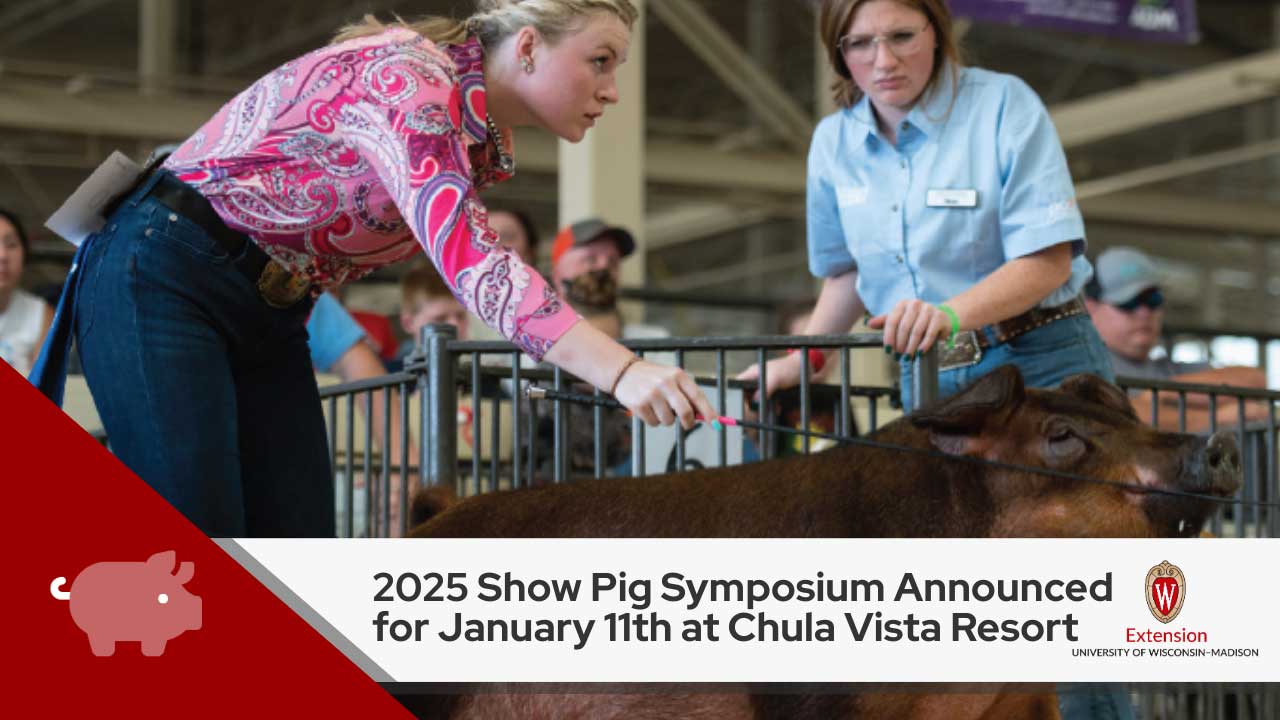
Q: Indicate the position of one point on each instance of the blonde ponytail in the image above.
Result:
(496, 20)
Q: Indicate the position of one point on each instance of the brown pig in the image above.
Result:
(1085, 428)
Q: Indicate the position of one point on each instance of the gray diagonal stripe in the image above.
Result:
(308, 613)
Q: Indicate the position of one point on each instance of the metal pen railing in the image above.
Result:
(510, 441)
(463, 417)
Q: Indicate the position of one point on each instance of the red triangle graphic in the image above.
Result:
(71, 504)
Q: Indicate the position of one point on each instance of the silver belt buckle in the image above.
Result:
(964, 352)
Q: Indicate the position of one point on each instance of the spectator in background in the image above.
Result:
(1126, 302)
(517, 233)
(425, 299)
(586, 265)
(339, 345)
(24, 318)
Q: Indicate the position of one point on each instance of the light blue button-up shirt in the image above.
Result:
(868, 200)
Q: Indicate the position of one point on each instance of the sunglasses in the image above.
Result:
(1153, 299)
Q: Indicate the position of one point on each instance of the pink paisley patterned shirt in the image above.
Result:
(354, 156)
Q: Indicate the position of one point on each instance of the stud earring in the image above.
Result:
(526, 64)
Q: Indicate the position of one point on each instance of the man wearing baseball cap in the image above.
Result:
(1127, 305)
(590, 248)
(586, 264)
(1126, 302)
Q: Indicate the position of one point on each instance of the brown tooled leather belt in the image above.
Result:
(968, 346)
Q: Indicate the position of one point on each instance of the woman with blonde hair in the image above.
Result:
(189, 305)
(939, 202)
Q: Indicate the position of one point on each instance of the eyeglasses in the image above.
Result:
(1153, 299)
(861, 49)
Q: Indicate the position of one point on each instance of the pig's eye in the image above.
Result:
(1064, 435)
(1065, 443)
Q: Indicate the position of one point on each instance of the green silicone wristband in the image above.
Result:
(955, 324)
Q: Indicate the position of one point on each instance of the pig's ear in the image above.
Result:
(1094, 389)
(185, 571)
(966, 413)
(162, 562)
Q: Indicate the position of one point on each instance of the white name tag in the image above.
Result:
(952, 198)
(851, 195)
(81, 214)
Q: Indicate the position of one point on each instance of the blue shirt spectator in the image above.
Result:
(333, 332)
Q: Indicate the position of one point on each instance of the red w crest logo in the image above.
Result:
(1166, 591)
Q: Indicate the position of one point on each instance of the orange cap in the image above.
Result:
(590, 230)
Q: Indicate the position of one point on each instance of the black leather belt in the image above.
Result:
(278, 287)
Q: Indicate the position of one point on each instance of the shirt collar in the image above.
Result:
(928, 116)
(862, 115)
(931, 113)
(468, 61)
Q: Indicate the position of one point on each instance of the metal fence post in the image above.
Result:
(441, 406)
(924, 380)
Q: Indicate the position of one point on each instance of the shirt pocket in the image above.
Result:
(865, 221)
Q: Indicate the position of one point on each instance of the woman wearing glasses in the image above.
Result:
(940, 203)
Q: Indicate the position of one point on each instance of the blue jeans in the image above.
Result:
(1046, 356)
(1094, 701)
(205, 391)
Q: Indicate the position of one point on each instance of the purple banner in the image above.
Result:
(1159, 20)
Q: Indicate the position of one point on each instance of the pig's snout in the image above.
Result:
(1220, 464)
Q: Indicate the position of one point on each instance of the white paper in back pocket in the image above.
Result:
(851, 195)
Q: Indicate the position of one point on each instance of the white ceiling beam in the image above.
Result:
(39, 106)
(1195, 92)
(769, 265)
(1184, 212)
(165, 119)
(1176, 169)
(289, 36)
(685, 223)
(686, 164)
(736, 69)
(46, 107)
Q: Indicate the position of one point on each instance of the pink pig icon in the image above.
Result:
(142, 601)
